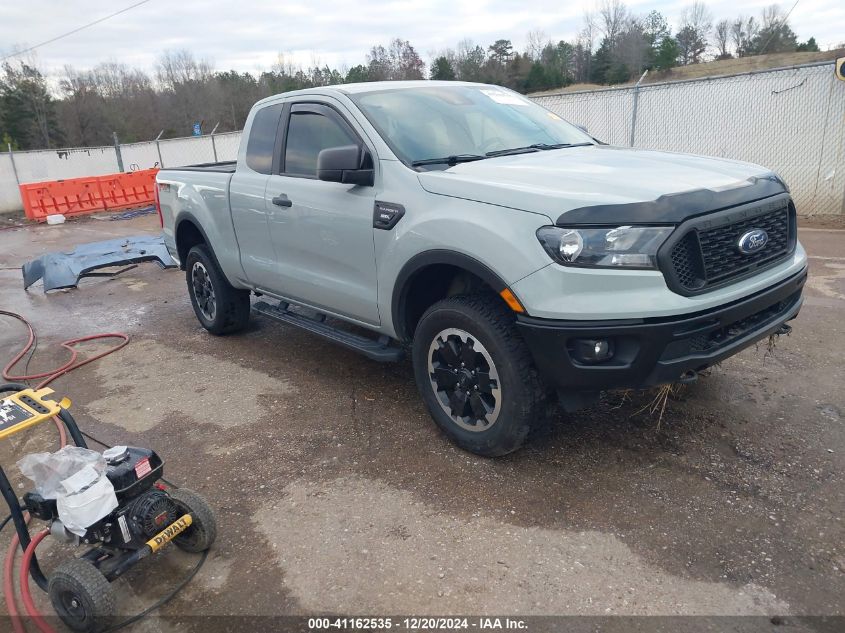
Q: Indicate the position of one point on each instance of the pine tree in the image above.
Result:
(441, 68)
(27, 111)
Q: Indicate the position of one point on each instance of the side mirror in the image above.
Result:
(349, 164)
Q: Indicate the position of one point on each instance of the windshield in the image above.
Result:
(462, 121)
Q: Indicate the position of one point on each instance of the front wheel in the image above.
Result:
(81, 596)
(475, 374)
(220, 307)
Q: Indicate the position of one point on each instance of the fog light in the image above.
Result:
(592, 350)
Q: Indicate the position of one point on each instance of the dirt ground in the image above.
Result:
(336, 493)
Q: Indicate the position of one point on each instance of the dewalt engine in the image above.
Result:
(145, 514)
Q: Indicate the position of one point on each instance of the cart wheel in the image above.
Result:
(81, 596)
(203, 530)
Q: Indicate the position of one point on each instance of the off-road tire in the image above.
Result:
(203, 529)
(523, 397)
(232, 306)
(78, 580)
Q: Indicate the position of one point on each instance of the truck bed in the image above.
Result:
(225, 167)
(202, 191)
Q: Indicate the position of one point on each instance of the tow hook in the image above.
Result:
(688, 377)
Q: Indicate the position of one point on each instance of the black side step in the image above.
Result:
(379, 350)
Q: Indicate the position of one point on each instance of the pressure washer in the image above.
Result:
(148, 515)
(135, 511)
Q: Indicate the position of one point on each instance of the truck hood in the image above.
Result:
(604, 184)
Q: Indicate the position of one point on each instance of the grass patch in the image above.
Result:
(657, 405)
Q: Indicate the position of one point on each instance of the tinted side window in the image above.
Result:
(308, 134)
(262, 139)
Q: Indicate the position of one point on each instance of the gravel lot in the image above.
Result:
(336, 493)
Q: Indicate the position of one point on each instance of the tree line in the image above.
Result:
(614, 45)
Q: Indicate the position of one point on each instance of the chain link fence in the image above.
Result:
(606, 113)
(788, 119)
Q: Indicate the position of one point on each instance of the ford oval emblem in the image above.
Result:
(752, 241)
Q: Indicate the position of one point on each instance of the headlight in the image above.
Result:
(778, 178)
(608, 247)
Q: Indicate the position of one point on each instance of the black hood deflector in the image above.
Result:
(673, 208)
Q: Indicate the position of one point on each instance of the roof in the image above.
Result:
(369, 86)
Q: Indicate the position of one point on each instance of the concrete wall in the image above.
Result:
(95, 161)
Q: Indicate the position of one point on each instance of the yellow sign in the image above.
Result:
(27, 408)
(840, 68)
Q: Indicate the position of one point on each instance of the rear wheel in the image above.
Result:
(203, 529)
(476, 375)
(220, 307)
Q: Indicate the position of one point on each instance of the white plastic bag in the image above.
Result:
(92, 498)
(75, 478)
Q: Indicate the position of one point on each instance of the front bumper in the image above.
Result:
(656, 351)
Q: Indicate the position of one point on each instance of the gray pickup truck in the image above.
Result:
(514, 256)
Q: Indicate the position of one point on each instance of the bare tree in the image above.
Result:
(175, 68)
(612, 17)
(536, 41)
(408, 63)
(399, 60)
(632, 47)
(721, 37)
(469, 60)
(81, 111)
(699, 17)
(695, 26)
(583, 52)
(775, 35)
(771, 17)
(186, 81)
(284, 64)
(743, 32)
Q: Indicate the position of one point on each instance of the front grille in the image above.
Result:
(687, 263)
(704, 258)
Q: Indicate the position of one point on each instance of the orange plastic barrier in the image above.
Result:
(133, 189)
(78, 196)
(68, 197)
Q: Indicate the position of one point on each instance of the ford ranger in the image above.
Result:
(516, 258)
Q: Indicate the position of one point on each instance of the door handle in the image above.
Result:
(282, 201)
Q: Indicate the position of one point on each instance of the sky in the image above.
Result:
(249, 35)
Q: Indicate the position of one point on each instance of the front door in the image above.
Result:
(322, 232)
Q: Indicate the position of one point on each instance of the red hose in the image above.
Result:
(49, 376)
(70, 365)
(26, 596)
(9, 585)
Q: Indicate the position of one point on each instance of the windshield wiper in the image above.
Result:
(448, 160)
(560, 145)
(534, 147)
(466, 158)
(514, 150)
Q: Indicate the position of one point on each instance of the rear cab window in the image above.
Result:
(262, 138)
